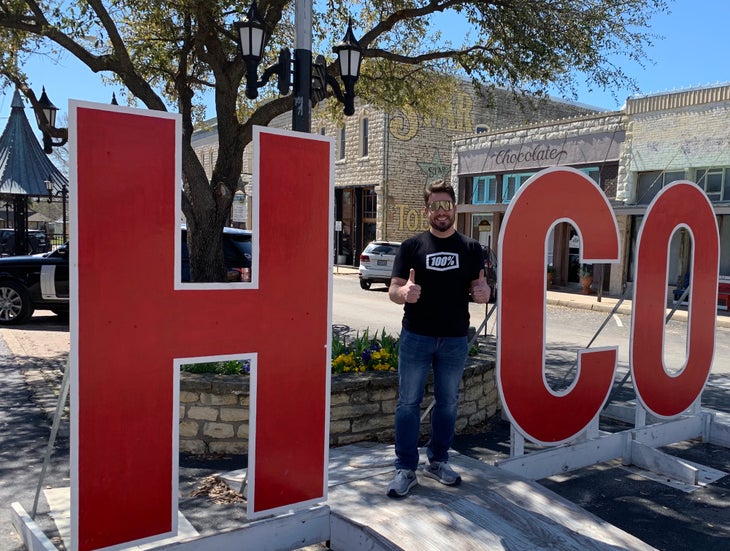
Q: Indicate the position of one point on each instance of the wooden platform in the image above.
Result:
(492, 509)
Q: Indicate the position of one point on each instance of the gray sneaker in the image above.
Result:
(402, 482)
(442, 472)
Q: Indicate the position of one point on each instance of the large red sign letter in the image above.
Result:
(129, 323)
(680, 205)
(549, 197)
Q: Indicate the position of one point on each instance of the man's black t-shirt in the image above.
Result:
(444, 268)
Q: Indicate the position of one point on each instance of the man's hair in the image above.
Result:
(438, 186)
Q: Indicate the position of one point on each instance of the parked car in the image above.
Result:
(236, 254)
(376, 263)
(29, 282)
(37, 242)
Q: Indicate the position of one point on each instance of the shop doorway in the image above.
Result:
(355, 208)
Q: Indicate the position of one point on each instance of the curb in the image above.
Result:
(625, 308)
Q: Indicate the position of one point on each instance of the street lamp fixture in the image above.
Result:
(349, 57)
(63, 194)
(48, 110)
(252, 39)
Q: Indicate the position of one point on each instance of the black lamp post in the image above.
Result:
(310, 79)
(63, 194)
(49, 112)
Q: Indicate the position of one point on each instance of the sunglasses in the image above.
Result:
(436, 205)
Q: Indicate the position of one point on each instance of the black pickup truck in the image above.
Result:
(34, 282)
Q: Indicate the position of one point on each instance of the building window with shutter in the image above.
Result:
(364, 137)
(341, 145)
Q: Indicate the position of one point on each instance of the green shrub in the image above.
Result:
(230, 367)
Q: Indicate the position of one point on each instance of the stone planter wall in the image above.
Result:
(214, 408)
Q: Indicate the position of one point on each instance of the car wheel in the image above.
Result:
(364, 284)
(15, 306)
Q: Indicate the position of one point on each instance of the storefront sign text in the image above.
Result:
(407, 123)
(507, 157)
(411, 219)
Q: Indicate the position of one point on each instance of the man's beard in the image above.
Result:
(441, 225)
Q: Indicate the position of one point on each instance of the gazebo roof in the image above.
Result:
(24, 168)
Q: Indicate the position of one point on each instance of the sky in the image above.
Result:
(693, 52)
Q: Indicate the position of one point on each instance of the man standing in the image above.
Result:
(434, 275)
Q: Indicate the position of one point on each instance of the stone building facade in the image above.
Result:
(384, 160)
(683, 135)
(489, 168)
(653, 141)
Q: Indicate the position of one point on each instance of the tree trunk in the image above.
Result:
(207, 208)
(206, 253)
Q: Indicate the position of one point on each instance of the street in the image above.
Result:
(567, 330)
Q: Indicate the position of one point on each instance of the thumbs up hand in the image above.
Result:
(411, 291)
(480, 290)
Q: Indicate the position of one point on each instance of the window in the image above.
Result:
(484, 190)
(593, 172)
(369, 204)
(649, 184)
(511, 183)
(364, 129)
(323, 131)
(341, 149)
(715, 183)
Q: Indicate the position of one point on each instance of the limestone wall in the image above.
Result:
(214, 410)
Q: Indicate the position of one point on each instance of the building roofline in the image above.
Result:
(676, 99)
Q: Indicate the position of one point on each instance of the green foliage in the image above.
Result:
(230, 367)
(586, 270)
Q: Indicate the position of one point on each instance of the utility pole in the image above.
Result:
(302, 112)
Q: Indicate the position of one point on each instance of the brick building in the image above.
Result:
(383, 161)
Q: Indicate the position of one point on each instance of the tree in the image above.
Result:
(169, 54)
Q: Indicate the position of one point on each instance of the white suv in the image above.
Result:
(376, 263)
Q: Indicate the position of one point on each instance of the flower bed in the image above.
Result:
(362, 353)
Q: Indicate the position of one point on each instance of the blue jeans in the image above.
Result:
(417, 355)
